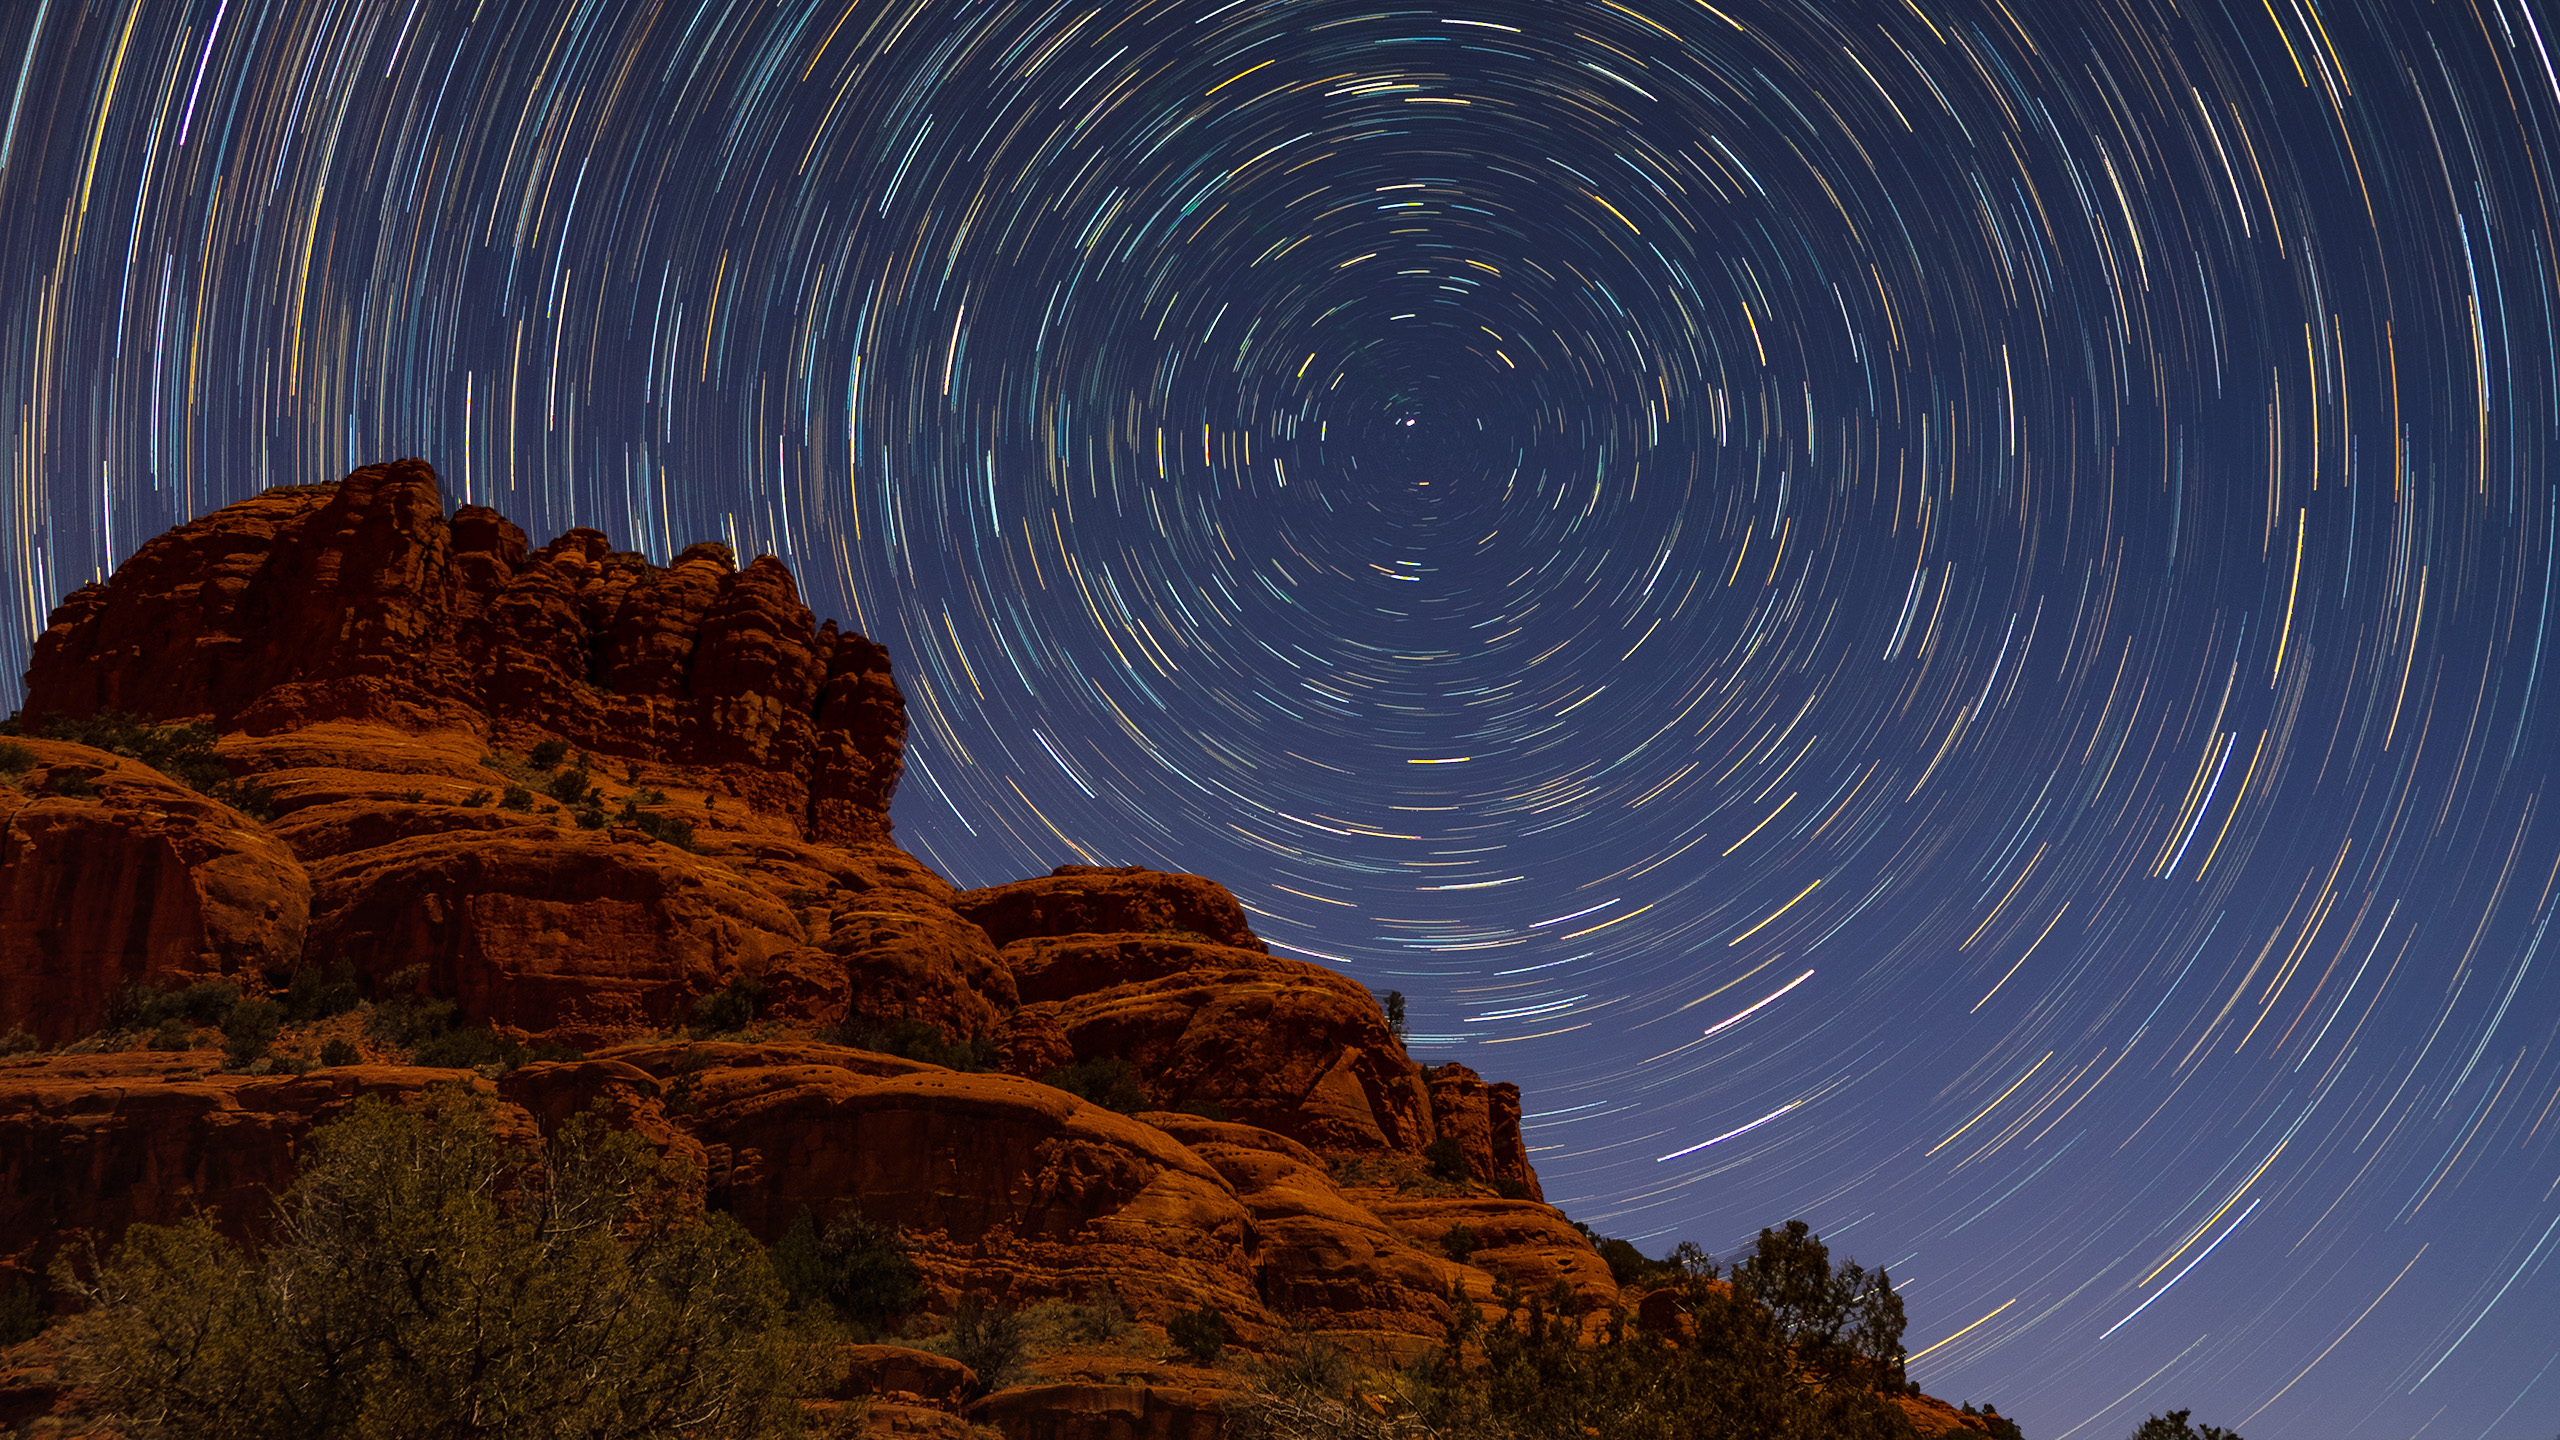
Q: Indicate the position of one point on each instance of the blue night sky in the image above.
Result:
(1923, 614)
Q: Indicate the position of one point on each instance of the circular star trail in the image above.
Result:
(1928, 616)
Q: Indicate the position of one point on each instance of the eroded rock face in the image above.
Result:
(362, 601)
(100, 1142)
(1528, 1244)
(567, 933)
(1378, 1292)
(1485, 1121)
(1206, 1021)
(1098, 900)
(1086, 1411)
(1007, 1188)
(111, 874)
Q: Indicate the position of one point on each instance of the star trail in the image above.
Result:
(1926, 615)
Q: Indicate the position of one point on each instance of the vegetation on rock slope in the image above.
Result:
(427, 1275)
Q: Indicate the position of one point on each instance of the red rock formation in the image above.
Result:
(1528, 1244)
(898, 1373)
(361, 601)
(1378, 1292)
(1086, 1411)
(100, 1142)
(1485, 1121)
(112, 875)
(1010, 1188)
(1097, 900)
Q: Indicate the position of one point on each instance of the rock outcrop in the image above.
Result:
(361, 601)
(112, 874)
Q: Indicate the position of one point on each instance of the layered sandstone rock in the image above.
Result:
(111, 874)
(1529, 1245)
(362, 601)
(1098, 900)
(95, 1143)
(1373, 1289)
(1160, 970)
(1484, 1120)
(1009, 1189)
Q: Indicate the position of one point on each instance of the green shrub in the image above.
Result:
(1835, 1320)
(1307, 1391)
(1200, 1335)
(408, 1020)
(1628, 1265)
(311, 995)
(1095, 1322)
(547, 753)
(1448, 1160)
(16, 1041)
(571, 787)
(1106, 1080)
(184, 753)
(70, 784)
(1531, 1375)
(425, 1279)
(248, 1029)
(665, 828)
(468, 1047)
(730, 1008)
(250, 797)
(859, 1268)
(2172, 1426)
(1510, 1187)
(173, 1034)
(433, 1032)
(22, 1310)
(139, 1007)
(15, 759)
(476, 799)
(517, 798)
(988, 1339)
(1458, 1242)
(340, 1051)
(910, 1039)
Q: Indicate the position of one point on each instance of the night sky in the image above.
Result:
(1928, 616)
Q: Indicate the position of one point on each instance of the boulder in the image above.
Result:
(896, 1373)
(1098, 900)
(1283, 1044)
(1087, 1411)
